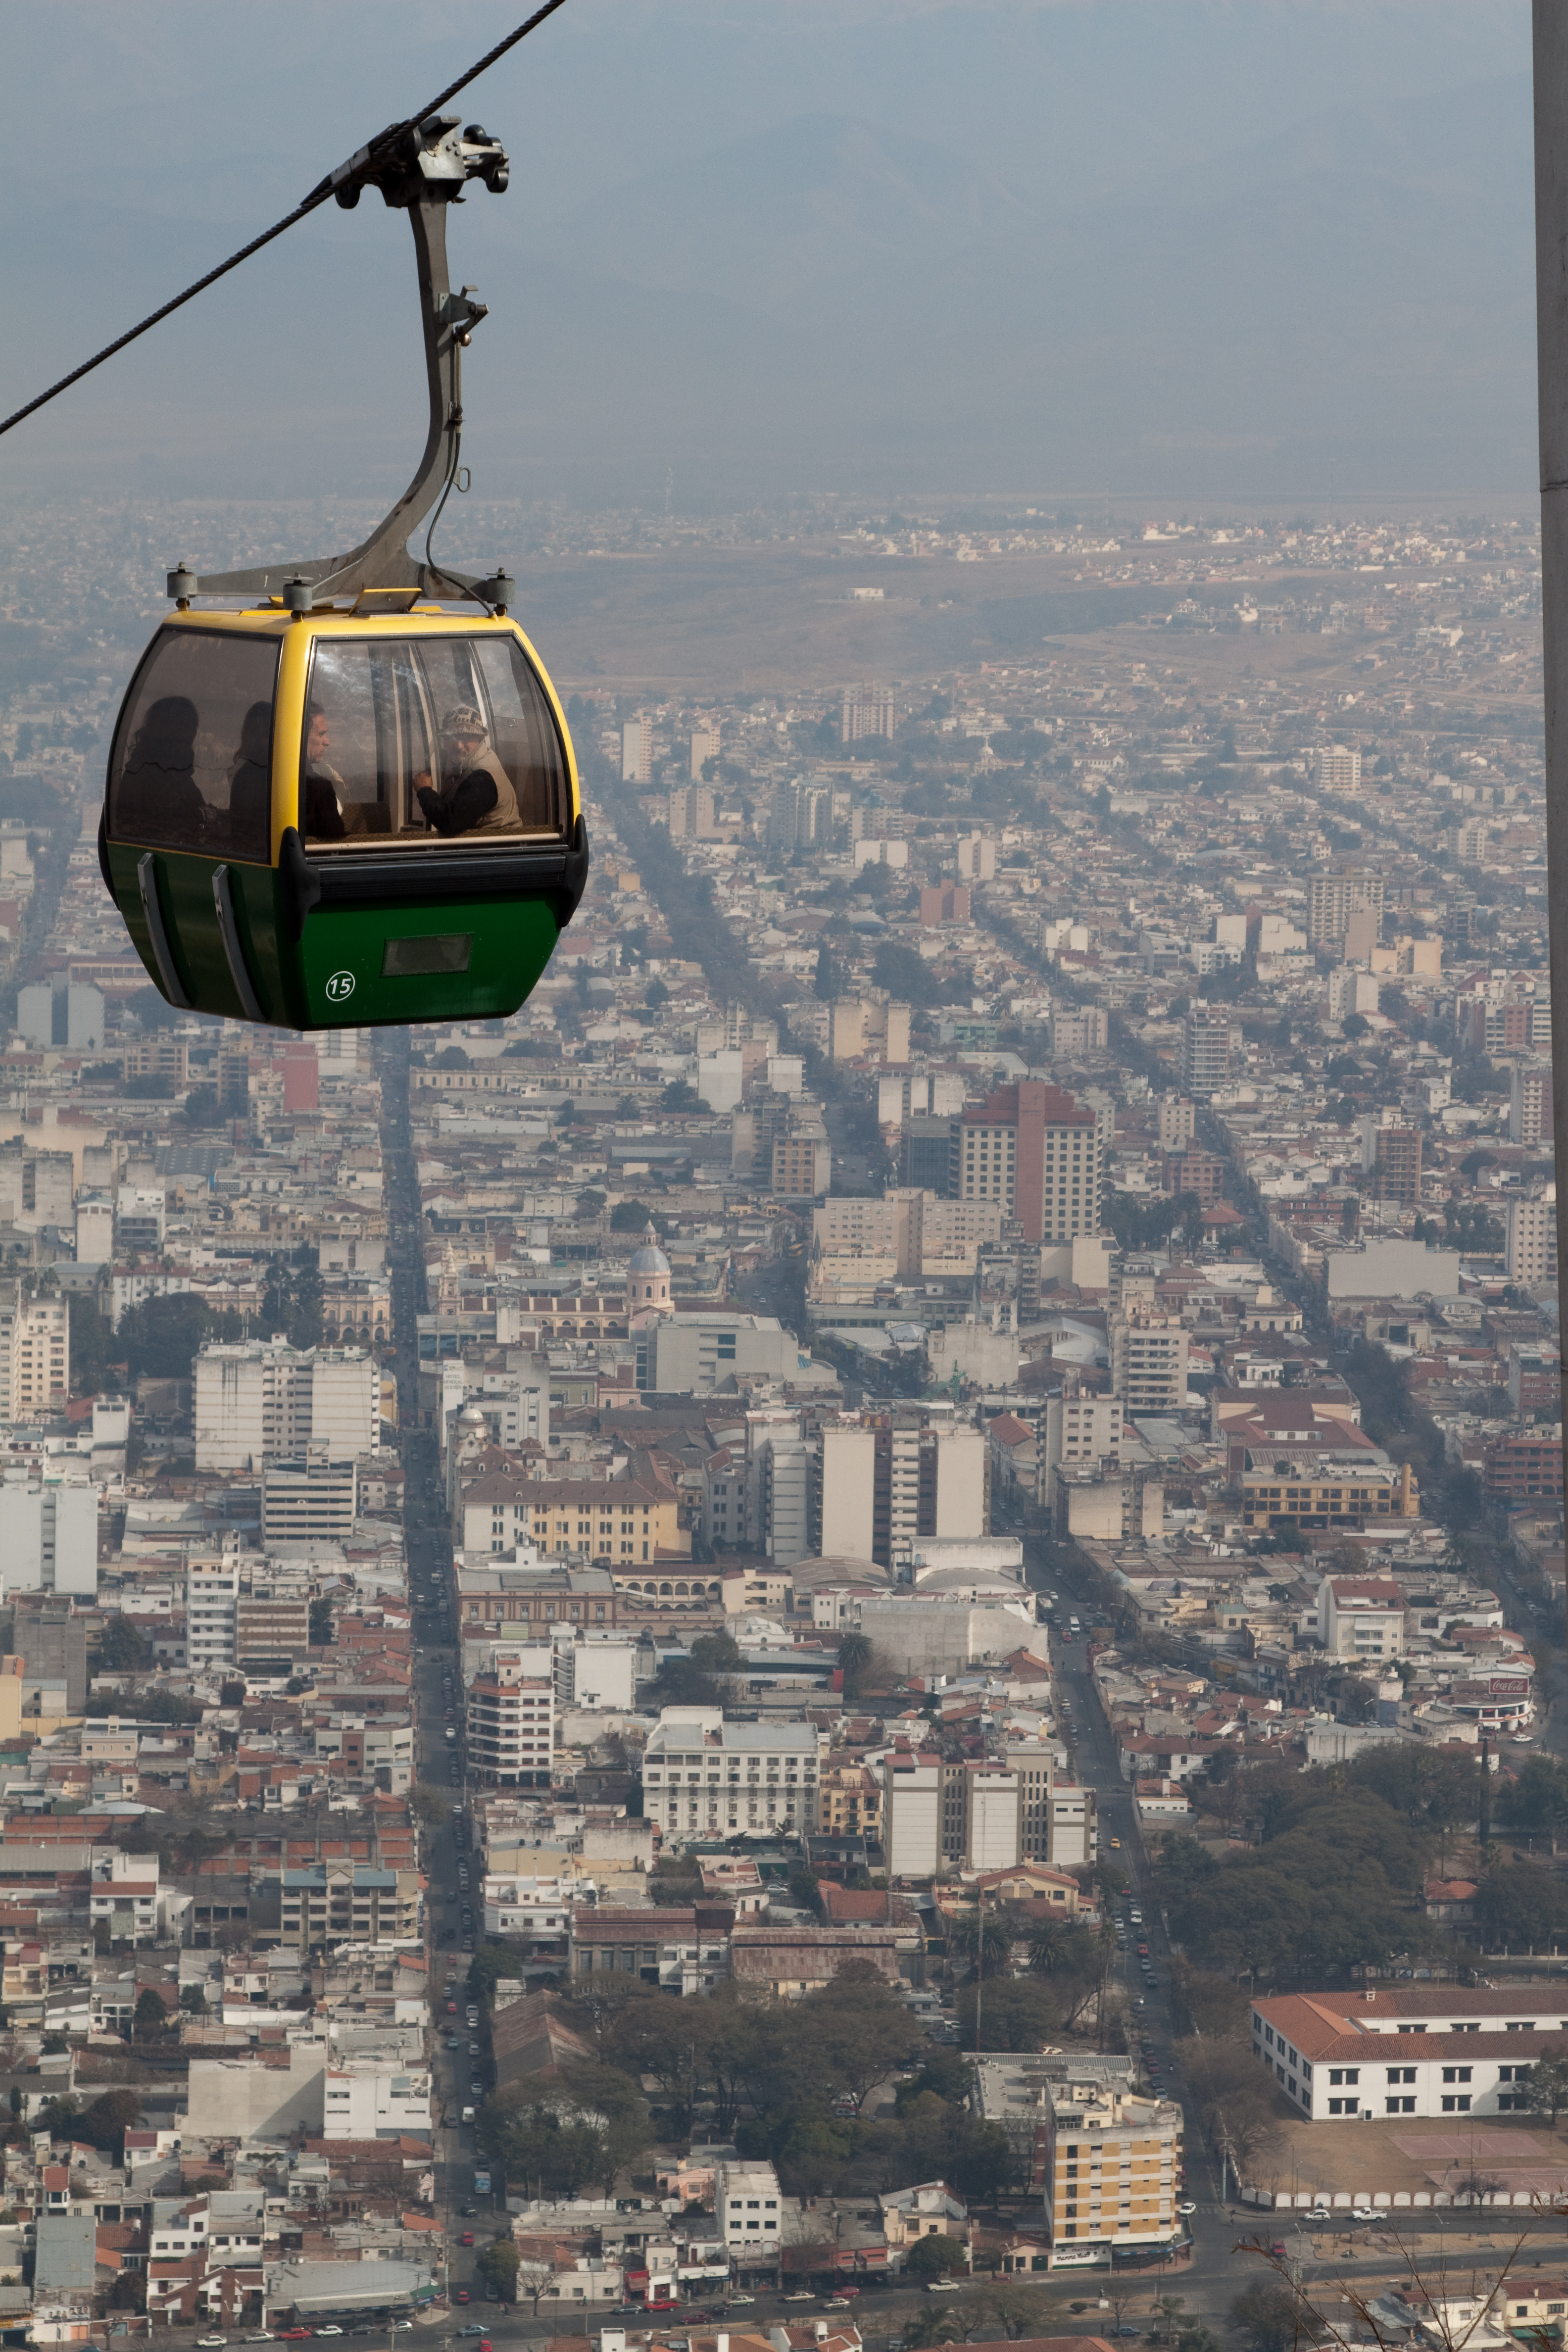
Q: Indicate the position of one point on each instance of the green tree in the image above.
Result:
(162, 1336)
(194, 2001)
(1546, 2087)
(497, 2266)
(1017, 2014)
(1267, 2316)
(124, 1649)
(905, 975)
(93, 1346)
(433, 1807)
(111, 2116)
(680, 1095)
(320, 1623)
(934, 2257)
(150, 2019)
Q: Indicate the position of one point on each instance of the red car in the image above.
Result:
(467, 2239)
(451, 2009)
(485, 2344)
(462, 2294)
(849, 2290)
(1142, 1951)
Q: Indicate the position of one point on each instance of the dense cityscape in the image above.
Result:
(826, 1623)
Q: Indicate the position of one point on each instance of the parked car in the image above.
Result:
(462, 2294)
(1188, 2208)
(329, 2331)
(212, 2342)
(467, 2239)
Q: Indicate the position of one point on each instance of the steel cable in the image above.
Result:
(318, 195)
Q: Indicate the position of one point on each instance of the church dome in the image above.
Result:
(648, 1257)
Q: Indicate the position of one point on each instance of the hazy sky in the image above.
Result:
(891, 243)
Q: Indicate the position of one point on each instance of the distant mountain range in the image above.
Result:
(1119, 305)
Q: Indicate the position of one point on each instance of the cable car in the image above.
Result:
(353, 800)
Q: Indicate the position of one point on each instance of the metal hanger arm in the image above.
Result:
(422, 179)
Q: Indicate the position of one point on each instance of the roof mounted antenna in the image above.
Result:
(420, 173)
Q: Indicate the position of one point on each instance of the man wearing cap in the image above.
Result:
(478, 796)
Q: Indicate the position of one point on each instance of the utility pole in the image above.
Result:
(1550, 71)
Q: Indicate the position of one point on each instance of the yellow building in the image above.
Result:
(849, 1802)
(1113, 2169)
(1325, 1491)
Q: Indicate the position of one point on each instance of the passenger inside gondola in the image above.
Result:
(477, 795)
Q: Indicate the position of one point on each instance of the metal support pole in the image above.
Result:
(1551, 67)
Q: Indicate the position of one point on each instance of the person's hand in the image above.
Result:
(423, 780)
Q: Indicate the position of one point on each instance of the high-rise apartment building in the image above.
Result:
(1339, 771)
(1503, 1025)
(706, 744)
(1530, 1109)
(865, 711)
(1149, 1362)
(262, 1401)
(1391, 1159)
(1531, 1243)
(510, 1726)
(691, 812)
(704, 1777)
(636, 751)
(1205, 1048)
(1113, 2169)
(35, 1353)
(1039, 1153)
(49, 1538)
(1178, 1122)
(1334, 898)
(211, 1614)
(878, 1485)
(803, 1159)
(1079, 1430)
(309, 1500)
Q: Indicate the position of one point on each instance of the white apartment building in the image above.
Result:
(511, 1726)
(371, 2102)
(262, 1401)
(1360, 1617)
(94, 1229)
(1339, 771)
(35, 1356)
(749, 2207)
(704, 1777)
(636, 751)
(534, 1909)
(1081, 1429)
(1532, 1242)
(1178, 1122)
(48, 1538)
(1443, 2052)
(1149, 1362)
(211, 1614)
(309, 1500)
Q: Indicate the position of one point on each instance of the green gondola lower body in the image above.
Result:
(351, 941)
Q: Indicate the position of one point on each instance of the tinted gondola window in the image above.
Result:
(191, 767)
(443, 739)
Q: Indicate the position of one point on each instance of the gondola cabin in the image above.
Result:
(345, 816)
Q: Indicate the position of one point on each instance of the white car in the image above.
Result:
(944, 2286)
(1319, 2213)
(1362, 2213)
(1184, 2209)
(212, 2342)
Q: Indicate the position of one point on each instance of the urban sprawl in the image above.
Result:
(841, 1615)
